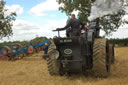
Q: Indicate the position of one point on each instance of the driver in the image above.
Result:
(75, 26)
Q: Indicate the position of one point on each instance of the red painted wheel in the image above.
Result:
(7, 53)
(30, 49)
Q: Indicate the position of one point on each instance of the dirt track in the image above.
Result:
(33, 71)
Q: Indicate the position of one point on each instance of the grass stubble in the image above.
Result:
(32, 70)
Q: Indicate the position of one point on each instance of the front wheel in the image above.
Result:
(52, 62)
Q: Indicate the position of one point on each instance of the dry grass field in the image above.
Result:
(32, 70)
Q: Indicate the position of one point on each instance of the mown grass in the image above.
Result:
(33, 71)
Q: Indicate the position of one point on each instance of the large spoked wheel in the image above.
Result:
(111, 52)
(53, 67)
(101, 60)
(8, 52)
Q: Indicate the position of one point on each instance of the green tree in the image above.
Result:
(108, 23)
(5, 21)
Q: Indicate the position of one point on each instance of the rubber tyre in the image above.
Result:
(101, 61)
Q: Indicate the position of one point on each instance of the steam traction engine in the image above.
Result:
(87, 52)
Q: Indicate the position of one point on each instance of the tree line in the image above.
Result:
(119, 42)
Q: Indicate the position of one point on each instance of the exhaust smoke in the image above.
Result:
(101, 8)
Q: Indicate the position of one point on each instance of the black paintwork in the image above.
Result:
(75, 52)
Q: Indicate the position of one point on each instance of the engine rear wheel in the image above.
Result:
(52, 62)
(101, 60)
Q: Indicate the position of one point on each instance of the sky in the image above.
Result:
(40, 17)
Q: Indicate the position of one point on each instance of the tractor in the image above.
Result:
(80, 54)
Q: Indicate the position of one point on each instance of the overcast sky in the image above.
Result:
(40, 17)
